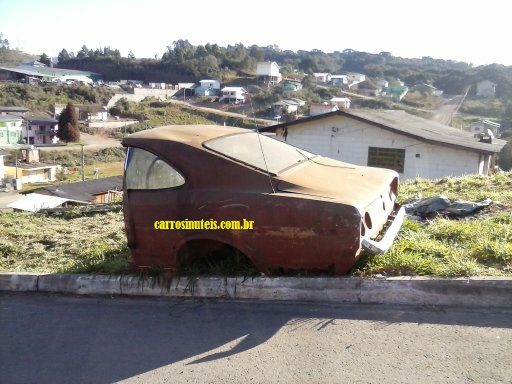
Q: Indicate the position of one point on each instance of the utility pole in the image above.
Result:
(83, 163)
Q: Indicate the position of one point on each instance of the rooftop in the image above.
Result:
(41, 119)
(413, 126)
(9, 118)
(34, 70)
(83, 191)
(4, 108)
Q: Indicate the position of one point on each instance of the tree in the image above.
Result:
(84, 52)
(4, 43)
(63, 56)
(68, 124)
(131, 55)
(45, 60)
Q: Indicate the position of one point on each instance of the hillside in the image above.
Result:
(42, 98)
(12, 57)
(183, 61)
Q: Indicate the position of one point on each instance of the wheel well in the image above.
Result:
(206, 256)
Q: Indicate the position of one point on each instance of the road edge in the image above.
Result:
(470, 292)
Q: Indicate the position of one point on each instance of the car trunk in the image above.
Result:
(371, 190)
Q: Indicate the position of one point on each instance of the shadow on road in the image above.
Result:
(59, 339)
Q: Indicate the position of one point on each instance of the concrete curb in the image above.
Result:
(474, 292)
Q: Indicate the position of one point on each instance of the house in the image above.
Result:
(32, 172)
(84, 112)
(339, 80)
(14, 111)
(318, 109)
(341, 102)
(411, 145)
(157, 85)
(235, 95)
(28, 168)
(92, 113)
(483, 126)
(80, 193)
(40, 130)
(285, 106)
(207, 88)
(485, 88)
(292, 85)
(10, 129)
(429, 89)
(322, 77)
(268, 72)
(354, 78)
(95, 191)
(2, 167)
(381, 83)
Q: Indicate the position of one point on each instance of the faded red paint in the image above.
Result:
(314, 220)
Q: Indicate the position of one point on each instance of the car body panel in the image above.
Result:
(312, 216)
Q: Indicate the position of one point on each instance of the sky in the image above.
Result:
(472, 31)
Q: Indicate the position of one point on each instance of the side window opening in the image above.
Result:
(145, 170)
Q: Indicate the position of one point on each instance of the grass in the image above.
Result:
(477, 245)
(487, 108)
(421, 100)
(38, 243)
(155, 113)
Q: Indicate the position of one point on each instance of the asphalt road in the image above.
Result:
(64, 339)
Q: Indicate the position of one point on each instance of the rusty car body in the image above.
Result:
(309, 212)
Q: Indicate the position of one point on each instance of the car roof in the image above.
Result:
(194, 135)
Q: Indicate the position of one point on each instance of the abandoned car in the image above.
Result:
(296, 210)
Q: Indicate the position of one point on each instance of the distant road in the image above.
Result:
(223, 113)
(91, 142)
(445, 113)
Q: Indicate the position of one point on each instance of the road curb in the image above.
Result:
(473, 292)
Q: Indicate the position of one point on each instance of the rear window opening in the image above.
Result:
(272, 155)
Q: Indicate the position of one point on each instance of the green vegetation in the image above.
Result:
(68, 124)
(158, 113)
(38, 243)
(477, 245)
(483, 107)
(421, 100)
(43, 98)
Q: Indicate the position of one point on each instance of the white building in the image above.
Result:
(354, 77)
(381, 83)
(341, 102)
(2, 168)
(319, 109)
(482, 126)
(485, 88)
(339, 80)
(10, 129)
(207, 88)
(413, 146)
(268, 72)
(322, 77)
(234, 95)
(288, 106)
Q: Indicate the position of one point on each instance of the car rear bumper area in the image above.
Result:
(382, 246)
